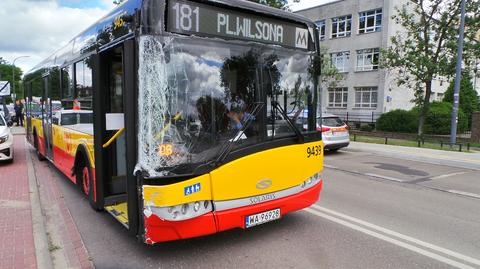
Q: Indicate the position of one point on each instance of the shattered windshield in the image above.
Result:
(200, 100)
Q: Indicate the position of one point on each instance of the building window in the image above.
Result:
(337, 97)
(341, 26)
(367, 59)
(340, 60)
(321, 29)
(366, 97)
(370, 21)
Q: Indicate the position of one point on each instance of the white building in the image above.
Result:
(354, 31)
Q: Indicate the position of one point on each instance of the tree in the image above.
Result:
(426, 49)
(6, 75)
(468, 97)
(281, 4)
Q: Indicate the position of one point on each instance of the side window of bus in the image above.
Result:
(55, 90)
(67, 87)
(83, 86)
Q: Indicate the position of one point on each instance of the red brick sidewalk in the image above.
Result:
(20, 232)
(69, 250)
(17, 249)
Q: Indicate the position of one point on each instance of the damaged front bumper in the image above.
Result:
(158, 229)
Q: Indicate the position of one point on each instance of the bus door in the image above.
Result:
(47, 117)
(114, 122)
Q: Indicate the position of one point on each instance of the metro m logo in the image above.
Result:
(301, 38)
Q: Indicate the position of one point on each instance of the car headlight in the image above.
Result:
(4, 138)
(311, 181)
(179, 212)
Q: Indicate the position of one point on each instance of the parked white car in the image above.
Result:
(335, 133)
(6, 141)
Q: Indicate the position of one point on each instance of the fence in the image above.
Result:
(443, 141)
(356, 119)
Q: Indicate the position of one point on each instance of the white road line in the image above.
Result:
(385, 177)
(391, 240)
(401, 236)
(474, 195)
(330, 166)
(450, 175)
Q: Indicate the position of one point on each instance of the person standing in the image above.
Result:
(18, 112)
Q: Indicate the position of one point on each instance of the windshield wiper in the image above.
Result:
(227, 146)
(297, 132)
(278, 107)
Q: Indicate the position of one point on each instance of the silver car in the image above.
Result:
(335, 133)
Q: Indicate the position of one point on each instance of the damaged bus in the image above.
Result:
(181, 117)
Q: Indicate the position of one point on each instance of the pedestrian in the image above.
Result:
(18, 112)
(76, 104)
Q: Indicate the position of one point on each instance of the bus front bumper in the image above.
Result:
(158, 230)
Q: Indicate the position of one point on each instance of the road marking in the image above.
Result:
(474, 195)
(393, 240)
(385, 177)
(330, 166)
(450, 175)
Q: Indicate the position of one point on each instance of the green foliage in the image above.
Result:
(437, 120)
(6, 75)
(282, 4)
(366, 128)
(427, 47)
(439, 116)
(329, 75)
(398, 120)
(468, 97)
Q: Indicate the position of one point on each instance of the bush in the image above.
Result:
(439, 117)
(366, 128)
(400, 121)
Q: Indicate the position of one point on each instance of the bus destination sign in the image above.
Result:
(186, 17)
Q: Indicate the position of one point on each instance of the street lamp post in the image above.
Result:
(13, 73)
(456, 90)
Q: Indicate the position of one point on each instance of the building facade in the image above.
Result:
(353, 32)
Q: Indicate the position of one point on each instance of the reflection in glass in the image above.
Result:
(204, 99)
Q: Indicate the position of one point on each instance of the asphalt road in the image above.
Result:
(375, 212)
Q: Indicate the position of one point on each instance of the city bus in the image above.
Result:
(180, 117)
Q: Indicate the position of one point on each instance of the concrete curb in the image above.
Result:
(44, 260)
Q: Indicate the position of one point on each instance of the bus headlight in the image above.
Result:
(311, 181)
(179, 212)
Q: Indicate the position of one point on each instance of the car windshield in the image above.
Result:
(333, 122)
(217, 97)
(2, 121)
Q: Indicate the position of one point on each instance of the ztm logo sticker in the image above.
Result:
(301, 38)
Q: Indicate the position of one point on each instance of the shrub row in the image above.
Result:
(436, 122)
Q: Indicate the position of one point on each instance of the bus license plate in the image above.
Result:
(261, 218)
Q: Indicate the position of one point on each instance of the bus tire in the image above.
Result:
(40, 157)
(84, 177)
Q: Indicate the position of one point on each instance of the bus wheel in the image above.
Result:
(85, 181)
(40, 157)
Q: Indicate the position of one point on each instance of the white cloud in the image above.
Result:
(39, 28)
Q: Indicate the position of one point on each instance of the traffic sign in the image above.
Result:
(4, 88)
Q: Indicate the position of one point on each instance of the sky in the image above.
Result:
(37, 28)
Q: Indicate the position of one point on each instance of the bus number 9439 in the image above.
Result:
(314, 151)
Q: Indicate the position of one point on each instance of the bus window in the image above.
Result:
(83, 85)
(68, 91)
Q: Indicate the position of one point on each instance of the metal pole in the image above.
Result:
(458, 77)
